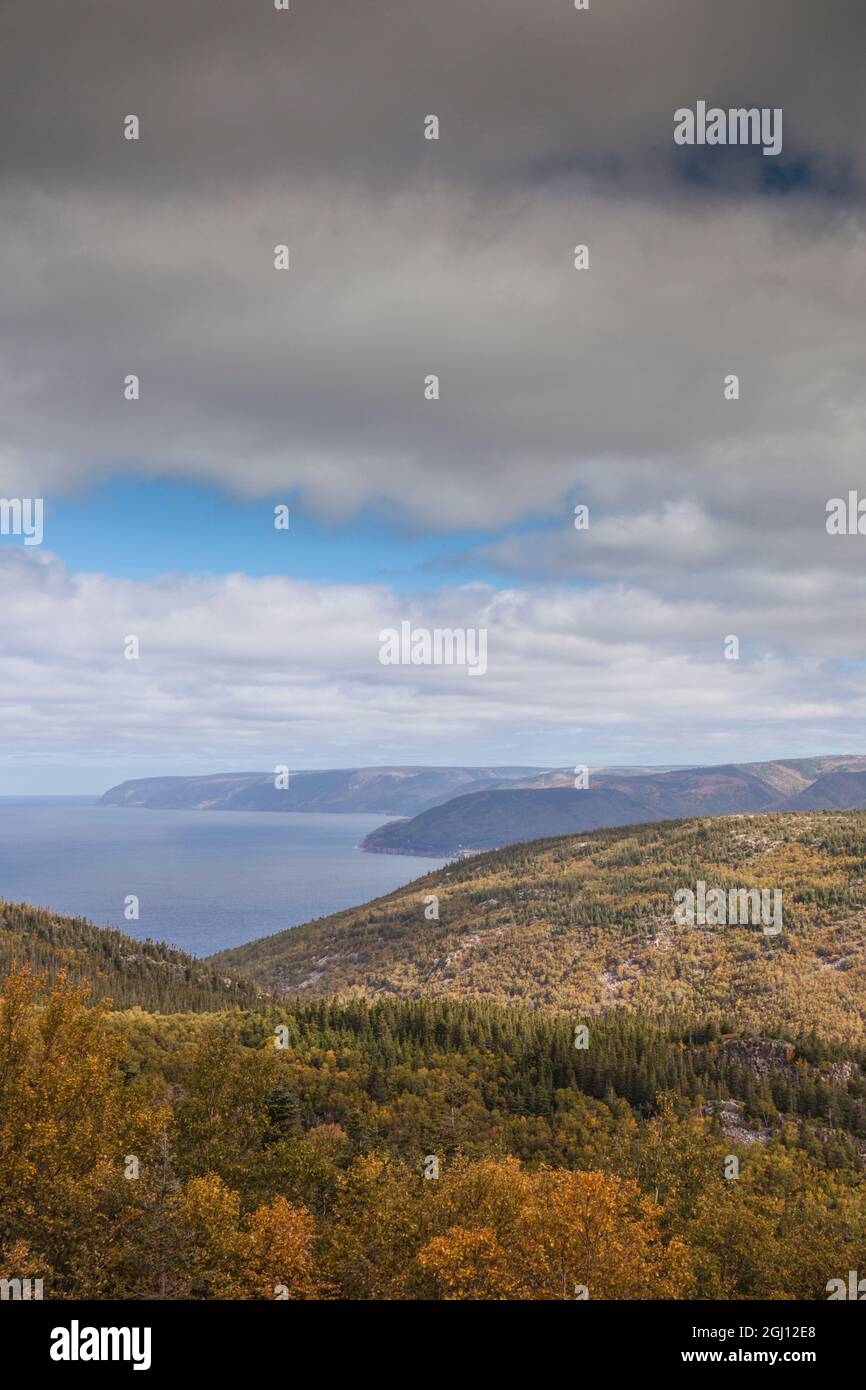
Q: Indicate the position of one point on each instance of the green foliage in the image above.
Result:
(303, 1166)
(115, 966)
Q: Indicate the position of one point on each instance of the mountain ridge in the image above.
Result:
(446, 811)
(478, 821)
(398, 790)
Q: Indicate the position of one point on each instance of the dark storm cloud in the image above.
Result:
(411, 257)
(232, 91)
(456, 258)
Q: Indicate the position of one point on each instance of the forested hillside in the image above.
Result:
(420, 1150)
(586, 924)
(113, 965)
(581, 1099)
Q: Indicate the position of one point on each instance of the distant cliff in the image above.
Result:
(386, 791)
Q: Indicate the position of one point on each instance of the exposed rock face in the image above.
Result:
(734, 1127)
(763, 1057)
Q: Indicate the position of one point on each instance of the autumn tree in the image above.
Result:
(67, 1126)
(279, 1253)
(547, 1234)
(376, 1229)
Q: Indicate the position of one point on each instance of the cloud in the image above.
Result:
(241, 672)
(409, 257)
(609, 380)
(231, 91)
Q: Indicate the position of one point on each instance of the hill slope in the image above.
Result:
(585, 924)
(833, 791)
(483, 821)
(116, 967)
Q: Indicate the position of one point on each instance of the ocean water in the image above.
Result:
(205, 880)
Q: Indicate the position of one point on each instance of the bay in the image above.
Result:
(205, 880)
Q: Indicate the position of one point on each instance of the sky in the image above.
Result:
(600, 387)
